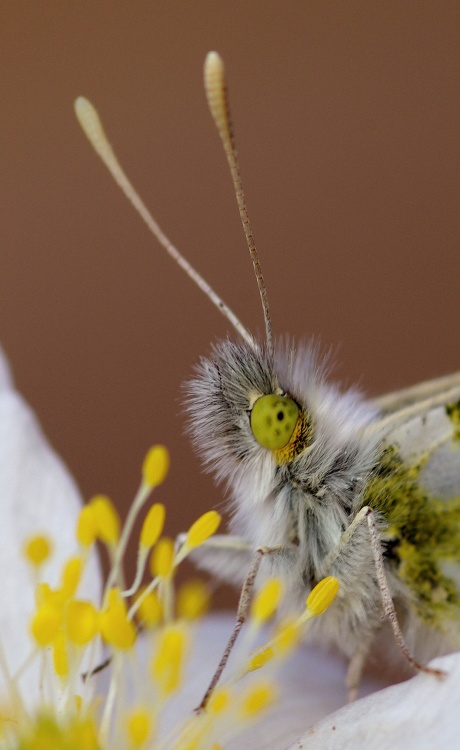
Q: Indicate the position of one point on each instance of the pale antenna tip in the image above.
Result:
(214, 70)
(216, 94)
(82, 108)
(80, 102)
(87, 117)
(91, 125)
(213, 60)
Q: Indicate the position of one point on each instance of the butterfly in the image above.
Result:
(322, 482)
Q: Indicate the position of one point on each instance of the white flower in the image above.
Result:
(37, 494)
(420, 714)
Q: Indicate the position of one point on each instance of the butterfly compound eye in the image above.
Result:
(273, 420)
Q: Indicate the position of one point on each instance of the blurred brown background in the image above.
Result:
(348, 124)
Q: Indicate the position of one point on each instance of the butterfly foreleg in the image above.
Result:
(387, 599)
(334, 563)
(367, 516)
(242, 613)
(356, 665)
(226, 557)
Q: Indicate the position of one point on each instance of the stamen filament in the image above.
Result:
(148, 589)
(139, 500)
(115, 680)
(142, 556)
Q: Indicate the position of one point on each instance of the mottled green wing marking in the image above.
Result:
(453, 413)
(416, 488)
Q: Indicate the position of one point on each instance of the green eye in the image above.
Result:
(273, 420)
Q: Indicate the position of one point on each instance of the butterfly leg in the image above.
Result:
(356, 666)
(225, 557)
(242, 613)
(385, 593)
(366, 515)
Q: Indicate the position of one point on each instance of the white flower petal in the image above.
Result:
(420, 714)
(37, 494)
(311, 686)
(417, 714)
(6, 379)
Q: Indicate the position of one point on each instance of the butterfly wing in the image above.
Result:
(432, 441)
(417, 488)
(423, 421)
(397, 401)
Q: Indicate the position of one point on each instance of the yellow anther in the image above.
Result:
(47, 732)
(287, 636)
(87, 529)
(220, 701)
(82, 734)
(60, 658)
(266, 601)
(114, 625)
(156, 465)
(70, 577)
(37, 549)
(193, 599)
(44, 594)
(45, 624)
(106, 519)
(260, 659)
(204, 527)
(322, 596)
(139, 727)
(150, 610)
(153, 525)
(167, 663)
(81, 622)
(257, 699)
(194, 744)
(162, 558)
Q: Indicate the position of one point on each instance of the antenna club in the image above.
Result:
(91, 125)
(216, 94)
(86, 113)
(213, 59)
(214, 70)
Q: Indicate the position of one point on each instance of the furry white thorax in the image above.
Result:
(304, 505)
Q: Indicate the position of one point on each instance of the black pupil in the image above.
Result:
(280, 416)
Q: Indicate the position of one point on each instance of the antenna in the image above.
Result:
(92, 126)
(216, 92)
